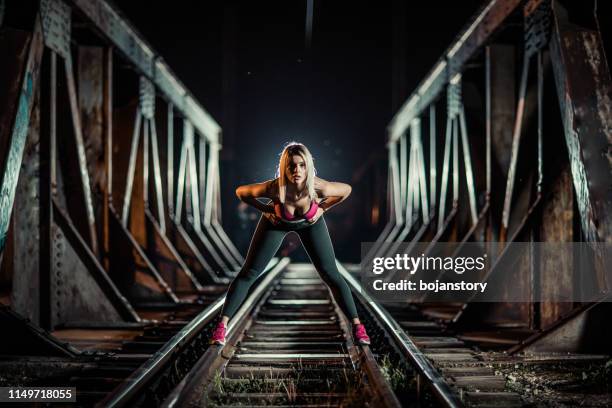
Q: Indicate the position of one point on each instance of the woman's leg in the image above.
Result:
(264, 244)
(319, 247)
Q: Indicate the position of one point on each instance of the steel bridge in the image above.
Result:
(114, 259)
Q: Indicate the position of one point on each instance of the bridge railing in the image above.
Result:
(110, 161)
(476, 153)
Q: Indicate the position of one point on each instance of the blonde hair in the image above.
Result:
(292, 149)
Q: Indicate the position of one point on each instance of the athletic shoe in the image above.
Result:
(361, 335)
(218, 336)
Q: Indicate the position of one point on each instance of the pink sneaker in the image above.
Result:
(218, 336)
(361, 335)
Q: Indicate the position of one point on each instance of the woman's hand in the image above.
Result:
(270, 213)
(317, 215)
(273, 218)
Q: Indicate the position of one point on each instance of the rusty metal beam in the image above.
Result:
(19, 128)
(26, 294)
(124, 37)
(468, 43)
(127, 196)
(91, 77)
(129, 263)
(113, 299)
(209, 189)
(584, 89)
(47, 188)
(187, 189)
(166, 258)
(107, 115)
(157, 185)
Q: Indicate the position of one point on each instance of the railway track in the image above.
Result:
(101, 357)
(293, 348)
(483, 371)
(482, 367)
(288, 345)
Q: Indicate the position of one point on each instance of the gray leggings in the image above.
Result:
(264, 244)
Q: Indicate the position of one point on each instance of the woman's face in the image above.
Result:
(296, 169)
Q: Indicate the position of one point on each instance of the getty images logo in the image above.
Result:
(413, 264)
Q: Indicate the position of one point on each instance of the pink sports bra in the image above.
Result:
(283, 213)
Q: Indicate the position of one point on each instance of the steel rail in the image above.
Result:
(215, 359)
(202, 369)
(140, 378)
(381, 388)
(440, 388)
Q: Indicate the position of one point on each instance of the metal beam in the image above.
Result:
(125, 38)
(19, 129)
(584, 87)
(467, 44)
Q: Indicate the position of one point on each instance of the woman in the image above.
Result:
(299, 199)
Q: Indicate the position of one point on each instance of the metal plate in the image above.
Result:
(147, 98)
(537, 27)
(56, 20)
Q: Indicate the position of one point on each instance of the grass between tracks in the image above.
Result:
(341, 387)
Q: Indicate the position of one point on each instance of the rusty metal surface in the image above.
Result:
(503, 103)
(584, 89)
(82, 159)
(108, 151)
(126, 39)
(25, 294)
(90, 66)
(131, 269)
(56, 25)
(19, 129)
(187, 193)
(167, 260)
(516, 140)
(157, 177)
(127, 196)
(557, 226)
(88, 274)
(91, 83)
(14, 44)
(75, 296)
(469, 41)
(209, 187)
(191, 254)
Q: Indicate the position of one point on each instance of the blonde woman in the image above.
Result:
(299, 200)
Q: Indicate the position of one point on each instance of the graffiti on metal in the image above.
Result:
(13, 162)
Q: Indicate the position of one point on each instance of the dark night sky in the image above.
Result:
(247, 64)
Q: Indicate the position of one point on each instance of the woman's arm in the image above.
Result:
(249, 193)
(333, 192)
